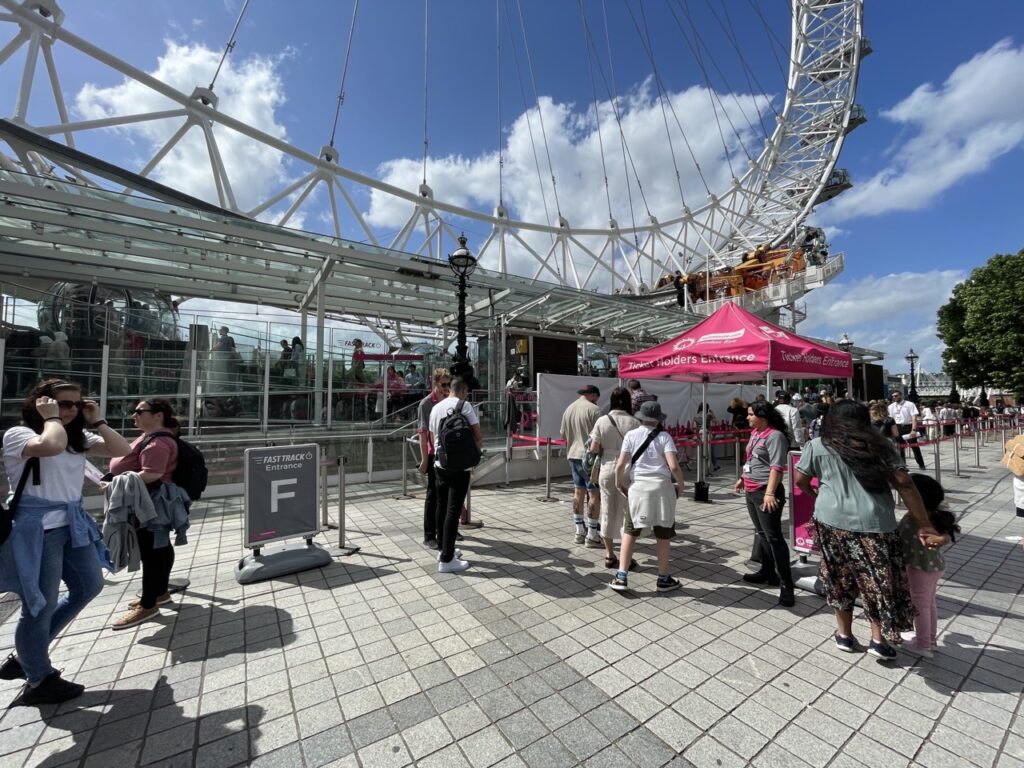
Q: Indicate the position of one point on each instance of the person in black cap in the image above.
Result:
(648, 456)
(577, 422)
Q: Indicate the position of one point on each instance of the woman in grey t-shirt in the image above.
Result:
(763, 469)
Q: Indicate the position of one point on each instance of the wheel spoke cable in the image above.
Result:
(426, 82)
(344, 70)
(597, 112)
(695, 45)
(529, 124)
(230, 45)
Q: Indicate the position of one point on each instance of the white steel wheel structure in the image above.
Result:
(765, 205)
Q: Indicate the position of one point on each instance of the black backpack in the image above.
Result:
(456, 447)
(191, 474)
(7, 513)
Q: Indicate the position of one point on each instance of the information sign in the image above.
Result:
(282, 493)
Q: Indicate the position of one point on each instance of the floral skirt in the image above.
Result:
(869, 566)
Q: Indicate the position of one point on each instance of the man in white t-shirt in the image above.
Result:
(792, 417)
(904, 413)
(452, 486)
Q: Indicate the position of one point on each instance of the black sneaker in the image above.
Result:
(786, 597)
(762, 577)
(53, 690)
(619, 585)
(11, 669)
(667, 584)
(459, 537)
(882, 650)
(844, 643)
(431, 542)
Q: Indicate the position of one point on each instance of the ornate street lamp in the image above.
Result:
(846, 345)
(462, 263)
(912, 359)
(954, 396)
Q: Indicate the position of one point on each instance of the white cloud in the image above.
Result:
(249, 89)
(890, 313)
(574, 142)
(955, 130)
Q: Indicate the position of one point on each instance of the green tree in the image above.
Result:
(982, 325)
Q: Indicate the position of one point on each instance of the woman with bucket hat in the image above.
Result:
(649, 456)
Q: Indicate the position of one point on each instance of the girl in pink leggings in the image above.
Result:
(925, 564)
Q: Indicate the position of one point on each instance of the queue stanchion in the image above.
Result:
(956, 451)
(508, 459)
(405, 473)
(466, 516)
(938, 462)
(977, 445)
(342, 550)
(325, 520)
(547, 497)
(739, 466)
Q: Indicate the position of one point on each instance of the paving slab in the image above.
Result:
(528, 658)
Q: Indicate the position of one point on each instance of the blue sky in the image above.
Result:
(938, 168)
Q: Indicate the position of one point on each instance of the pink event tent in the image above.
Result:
(735, 345)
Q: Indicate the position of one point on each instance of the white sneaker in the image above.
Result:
(458, 555)
(455, 566)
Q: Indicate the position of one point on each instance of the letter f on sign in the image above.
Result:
(277, 494)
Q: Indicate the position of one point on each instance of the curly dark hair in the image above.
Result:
(933, 494)
(765, 410)
(846, 431)
(620, 400)
(49, 388)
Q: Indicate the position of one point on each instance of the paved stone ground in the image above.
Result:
(529, 659)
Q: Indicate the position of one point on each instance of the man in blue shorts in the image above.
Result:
(577, 422)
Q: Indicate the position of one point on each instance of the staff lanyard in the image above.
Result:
(760, 439)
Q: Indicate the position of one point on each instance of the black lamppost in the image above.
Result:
(912, 358)
(462, 263)
(846, 345)
(954, 396)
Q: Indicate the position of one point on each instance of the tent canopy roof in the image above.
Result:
(735, 345)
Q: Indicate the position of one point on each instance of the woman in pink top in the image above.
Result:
(155, 459)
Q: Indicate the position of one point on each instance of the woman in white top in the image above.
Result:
(606, 440)
(652, 496)
(53, 539)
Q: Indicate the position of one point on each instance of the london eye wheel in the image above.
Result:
(757, 201)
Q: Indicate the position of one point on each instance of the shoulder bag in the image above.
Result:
(7, 513)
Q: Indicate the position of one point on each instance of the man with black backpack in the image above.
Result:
(458, 442)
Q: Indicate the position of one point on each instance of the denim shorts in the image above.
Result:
(580, 479)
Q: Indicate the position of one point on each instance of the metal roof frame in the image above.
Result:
(52, 229)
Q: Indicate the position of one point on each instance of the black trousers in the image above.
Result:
(905, 430)
(452, 488)
(156, 567)
(768, 526)
(430, 502)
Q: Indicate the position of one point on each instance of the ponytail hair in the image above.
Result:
(163, 406)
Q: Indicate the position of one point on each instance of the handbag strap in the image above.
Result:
(643, 446)
(32, 465)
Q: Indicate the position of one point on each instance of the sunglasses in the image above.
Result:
(137, 411)
(69, 404)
